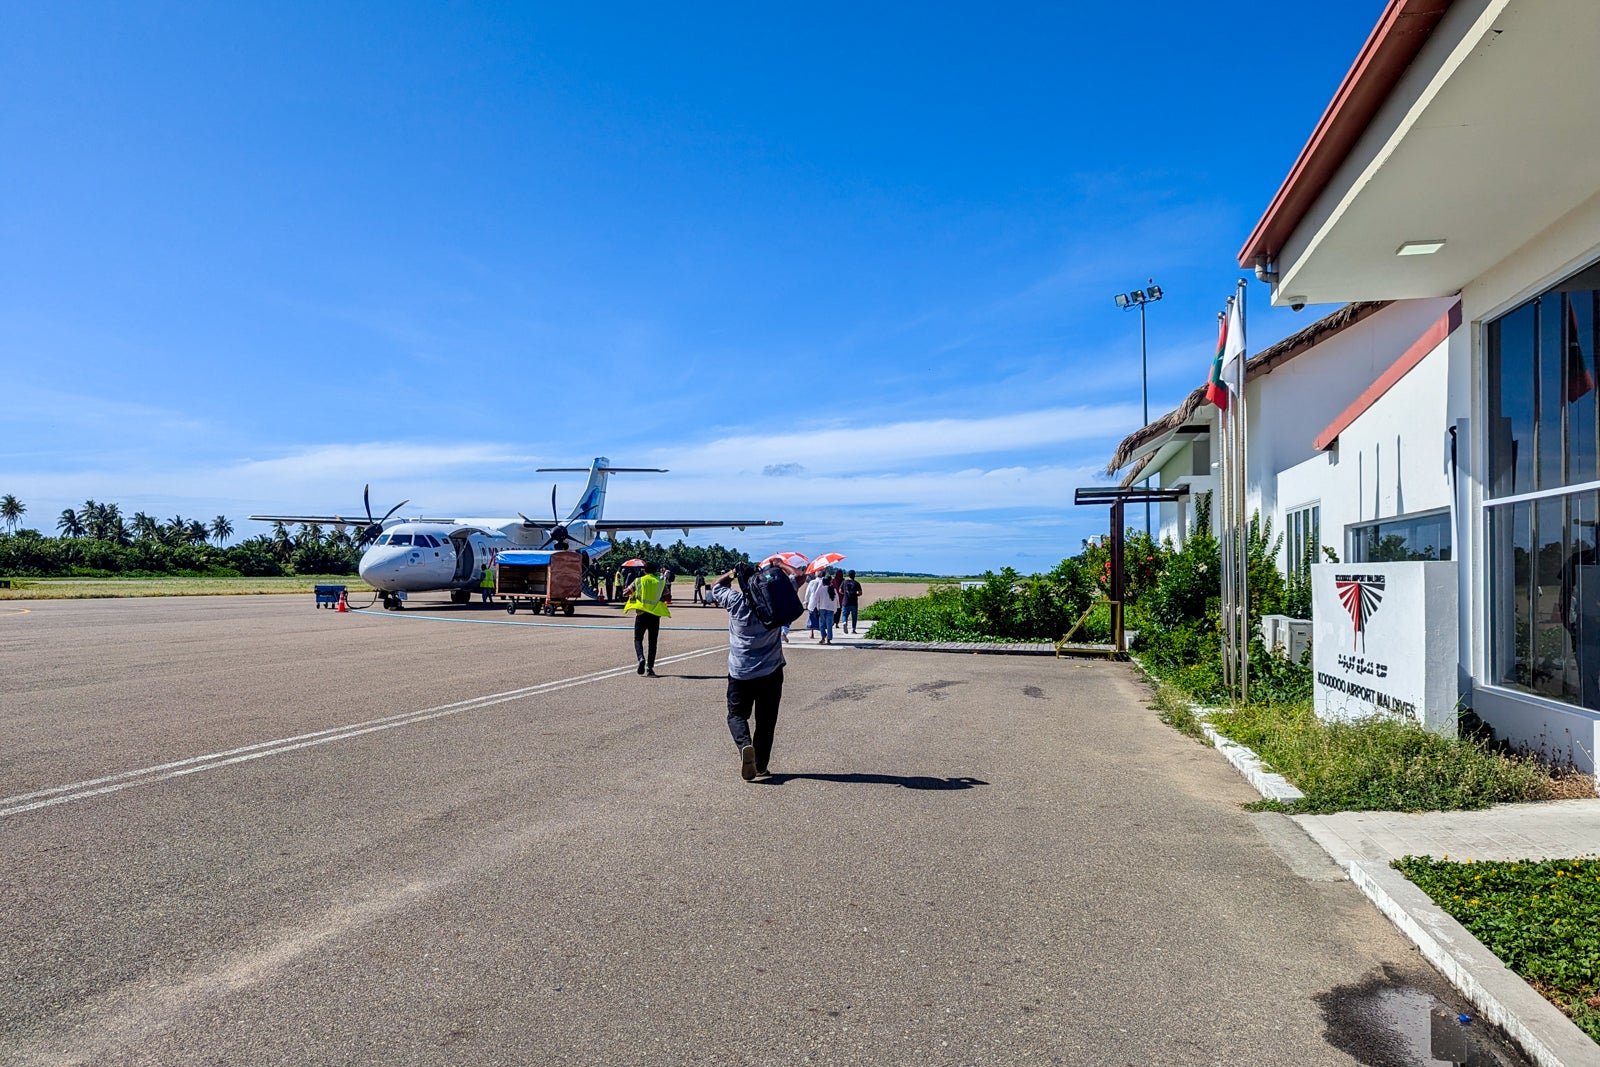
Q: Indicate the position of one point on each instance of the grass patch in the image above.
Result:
(89, 588)
(1174, 708)
(1542, 919)
(1384, 764)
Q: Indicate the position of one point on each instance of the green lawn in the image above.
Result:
(87, 588)
(1541, 919)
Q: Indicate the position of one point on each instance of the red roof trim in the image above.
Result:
(1393, 44)
(1431, 339)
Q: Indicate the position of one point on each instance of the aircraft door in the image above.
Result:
(464, 558)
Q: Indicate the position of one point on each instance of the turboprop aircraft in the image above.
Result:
(421, 555)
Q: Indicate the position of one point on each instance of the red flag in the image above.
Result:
(1216, 392)
(1578, 380)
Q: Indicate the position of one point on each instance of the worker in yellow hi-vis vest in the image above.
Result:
(646, 595)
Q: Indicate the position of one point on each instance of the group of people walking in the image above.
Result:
(831, 599)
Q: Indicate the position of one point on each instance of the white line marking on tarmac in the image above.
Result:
(61, 794)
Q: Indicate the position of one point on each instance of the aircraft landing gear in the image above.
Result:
(460, 596)
(393, 603)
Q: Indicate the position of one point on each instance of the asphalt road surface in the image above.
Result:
(242, 831)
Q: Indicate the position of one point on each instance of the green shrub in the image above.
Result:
(1542, 919)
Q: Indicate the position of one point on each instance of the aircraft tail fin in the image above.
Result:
(593, 502)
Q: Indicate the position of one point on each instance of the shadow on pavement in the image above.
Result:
(907, 781)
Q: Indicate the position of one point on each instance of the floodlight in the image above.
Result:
(1154, 292)
(1137, 296)
(1121, 299)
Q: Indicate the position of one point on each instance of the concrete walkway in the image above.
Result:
(1365, 844)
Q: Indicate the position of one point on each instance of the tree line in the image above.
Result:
(97, 540)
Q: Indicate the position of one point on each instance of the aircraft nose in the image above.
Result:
(377, 569)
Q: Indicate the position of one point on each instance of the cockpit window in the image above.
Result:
(428, 540)
(400, 539)
(383, 540)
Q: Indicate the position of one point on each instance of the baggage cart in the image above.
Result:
(539, 581)
(328, 595)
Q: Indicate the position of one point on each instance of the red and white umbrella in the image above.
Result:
(824, 561)
(793, 560)
(634, 563)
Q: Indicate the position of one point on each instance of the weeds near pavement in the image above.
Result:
(1382, 764)
(1541, 919)
(1174, 709)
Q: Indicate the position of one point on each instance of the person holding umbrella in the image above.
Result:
(821, 602)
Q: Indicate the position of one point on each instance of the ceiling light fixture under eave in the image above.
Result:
(1420, 248)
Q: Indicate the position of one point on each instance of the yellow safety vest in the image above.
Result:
(647, 597)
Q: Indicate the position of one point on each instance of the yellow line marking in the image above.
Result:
(19, 611)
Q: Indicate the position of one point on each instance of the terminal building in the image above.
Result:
(1449, 413)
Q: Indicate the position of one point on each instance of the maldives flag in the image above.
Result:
(1578, 380)
(1216, 392)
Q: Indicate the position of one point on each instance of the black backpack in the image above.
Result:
(771, 596)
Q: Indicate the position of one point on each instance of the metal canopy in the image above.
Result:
(1130, 495)
(1119, 498)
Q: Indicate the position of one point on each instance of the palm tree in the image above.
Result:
(11, 510)
(221, 529)
(69, 524)
(281, 544)
(88, 517)
(197, 534)
(106, 524)
(175, 530)
(146, 526)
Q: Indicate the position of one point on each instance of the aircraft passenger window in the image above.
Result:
(401, 539)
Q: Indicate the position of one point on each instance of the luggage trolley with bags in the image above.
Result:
(540, 581)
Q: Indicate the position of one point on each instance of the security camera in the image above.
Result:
(1296, 303)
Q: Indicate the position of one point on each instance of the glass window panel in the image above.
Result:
(1509, 344)
(1549, 669)
(1548, 400)
(1578, 323)
(1581, 600)
(1510, 624)
(1417, 537)
(400, 539)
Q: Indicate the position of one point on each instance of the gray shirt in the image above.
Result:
(753, 650)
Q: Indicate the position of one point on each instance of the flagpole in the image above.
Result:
(1223, 510)
(1244, 471)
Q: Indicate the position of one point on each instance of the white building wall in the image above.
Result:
(1291, 406)
(1391, 461)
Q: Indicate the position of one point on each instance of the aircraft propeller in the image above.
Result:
(558, 535)
(374, 527)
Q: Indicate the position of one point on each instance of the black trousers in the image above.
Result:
(646, 623)
(761, 696)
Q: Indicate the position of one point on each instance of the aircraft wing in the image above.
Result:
(320, 520)
(650, 526)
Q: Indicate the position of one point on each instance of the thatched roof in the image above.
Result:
(1139, 443)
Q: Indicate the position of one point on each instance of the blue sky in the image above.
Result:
(849, 267)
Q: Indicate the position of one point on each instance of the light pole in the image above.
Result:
(1127, 301)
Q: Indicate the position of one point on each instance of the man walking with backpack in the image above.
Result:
(755, 664)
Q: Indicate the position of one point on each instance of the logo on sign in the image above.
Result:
(1360, 594)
